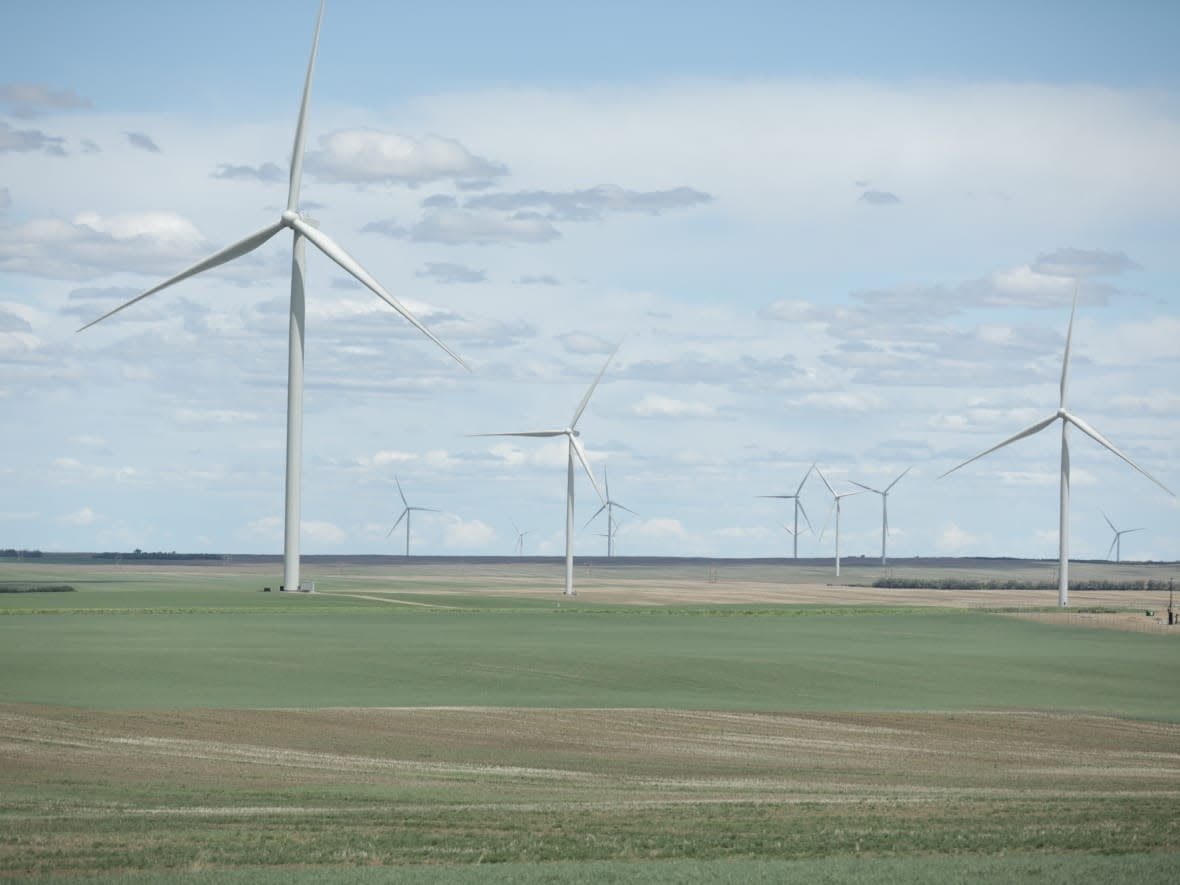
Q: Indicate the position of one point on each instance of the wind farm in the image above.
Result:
(839, 263)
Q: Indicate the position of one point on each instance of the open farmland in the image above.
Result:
(693, 722)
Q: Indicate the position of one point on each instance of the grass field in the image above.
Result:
(444, 722)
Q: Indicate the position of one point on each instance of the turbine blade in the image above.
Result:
(896, 481)
(1028, 431)
(1110, 549)
(301, 124)
(405, 513)
(1098, 437)
(810, 527)
(827, 519)
(229, 253)
(866, 488)
(620, 506)
(589, 393)
(333, 250)
(545, 433)
(581, 453)
(826, 483)
(595, 516)
(805, 475)
(1068, 339)
(787, 497)
(1108, 522)
(405, 503)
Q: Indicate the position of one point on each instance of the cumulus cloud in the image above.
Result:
(366, 156)
(319, 532)
(582, 342)
(29, 140)
(460, 534)
(82, 517)
(142, 141)
(591, 204)
(213, 417)
(447, 273)
(538, 280)
(458, 226)
(90, 243)
(953, 539)
(267, 172)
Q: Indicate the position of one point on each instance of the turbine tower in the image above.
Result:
(302, 230)
(798, 508)
(884, 493)
(609, 505)
(574, 450)
(1116, 546)
(405, 514)
(1067, 418)
(835, 505)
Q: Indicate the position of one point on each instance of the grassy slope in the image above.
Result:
(345, 652)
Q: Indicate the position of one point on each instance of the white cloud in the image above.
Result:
(322, 533)
(369, 156)
(460, 534)
(656, 406)
(82, 517)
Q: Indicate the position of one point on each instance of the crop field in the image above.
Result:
(453, 722)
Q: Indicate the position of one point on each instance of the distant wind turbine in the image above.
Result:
(1067, 418)
(884, 493)
(302, 230)
(836, 506)
(574, 450)
(798, 508)
(1116, 546)
(405, 514)
(609, 505)
(520, 539)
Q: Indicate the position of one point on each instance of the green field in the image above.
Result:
(182, 723)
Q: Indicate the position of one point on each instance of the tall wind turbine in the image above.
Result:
(1116, 546)
(798, 507)
(302, 230)
(574, 450)
(405, 514)
(836, 505)
(609, 506)
(1067, 418)
(884, 493)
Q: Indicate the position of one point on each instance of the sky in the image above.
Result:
(846, 234)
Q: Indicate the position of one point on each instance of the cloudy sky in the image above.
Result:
(846, 235)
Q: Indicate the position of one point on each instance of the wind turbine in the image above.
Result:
(609, 506)
(884, 493)
(798, 508)
(1116, 546)
(836, 505)
(520, 539)
(574, 450)
(1067, 418)
(405, 514)
(302, 230)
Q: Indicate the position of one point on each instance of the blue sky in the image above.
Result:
(845, 234)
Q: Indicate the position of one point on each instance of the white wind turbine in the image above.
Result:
(574, 450)
(1067, 418)
(405, 514)
(519, 538)
(884, 493)
(302, 230)
(836, 506)
(798, 508)
(1116, 546)
(609, 505)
